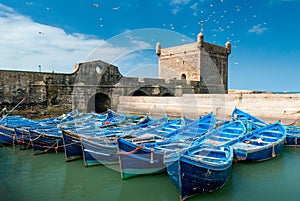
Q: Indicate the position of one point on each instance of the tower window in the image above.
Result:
(183, 76)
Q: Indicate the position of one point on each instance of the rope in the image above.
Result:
(42, 134)
(49, 147)
(130, 152)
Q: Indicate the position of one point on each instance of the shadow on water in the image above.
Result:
(49, 177)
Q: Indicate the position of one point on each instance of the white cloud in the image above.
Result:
(194, 6)
(179, 2)
(258, 29)
(25, 44)
(177, 5)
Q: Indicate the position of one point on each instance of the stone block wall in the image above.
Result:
(203, 62)
(39, 89)
(180, 60)
(268, 107)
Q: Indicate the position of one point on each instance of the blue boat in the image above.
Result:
(200, 169)
(292, 136)
(261, 144)
(7, 136)
(71, 137)
(145, 154)
(225, 134)
(8, 126)
(46, 140)
(103, 149)
(251, 122)
(16, 128)
(48, 136)
(194, 129)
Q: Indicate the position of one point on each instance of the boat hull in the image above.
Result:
(6, 139)
(202, 169)
(261, 144)
(258, 154)
(136, 161)
(292, 136)
(292, 141)
(197, 180)
(23, 138)
(42, 143)
(72, 146)
(7, 136)
(97, 152)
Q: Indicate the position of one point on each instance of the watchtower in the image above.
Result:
(199, 61)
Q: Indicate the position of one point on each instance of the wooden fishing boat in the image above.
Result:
(200, 169)
(47, 137)
(261, 144)
(16, 128)
(145, 154)
(292, 136)
(7, 136)
(102, 149)
(225, 134)
(251, 122)
(71, 137)
(8, 126)
(194, 129)
(46, 140)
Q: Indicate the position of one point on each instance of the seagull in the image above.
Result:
(116, 8)
(96, 5)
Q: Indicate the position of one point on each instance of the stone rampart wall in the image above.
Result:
(268, 107)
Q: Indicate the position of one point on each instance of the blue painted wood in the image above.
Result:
(103, 149)
(147, 155)
(292, 136)
(200, 169)
(261, 144)
(251, 122)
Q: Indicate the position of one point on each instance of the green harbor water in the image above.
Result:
(48, 177)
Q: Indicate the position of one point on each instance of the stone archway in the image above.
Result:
(139, 93)
(152, 90)
(99, 103)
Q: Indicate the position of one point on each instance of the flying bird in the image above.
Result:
(116, 8)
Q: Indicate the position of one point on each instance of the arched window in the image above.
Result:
(183, 76)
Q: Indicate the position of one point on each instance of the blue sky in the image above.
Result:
(57, 34)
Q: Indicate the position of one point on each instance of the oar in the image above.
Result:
(23, 99)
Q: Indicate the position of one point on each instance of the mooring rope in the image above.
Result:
(130, 152)
(40, 135)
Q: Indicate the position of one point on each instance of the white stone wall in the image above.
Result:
(268, 107)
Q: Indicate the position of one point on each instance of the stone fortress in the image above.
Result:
(196, 68)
